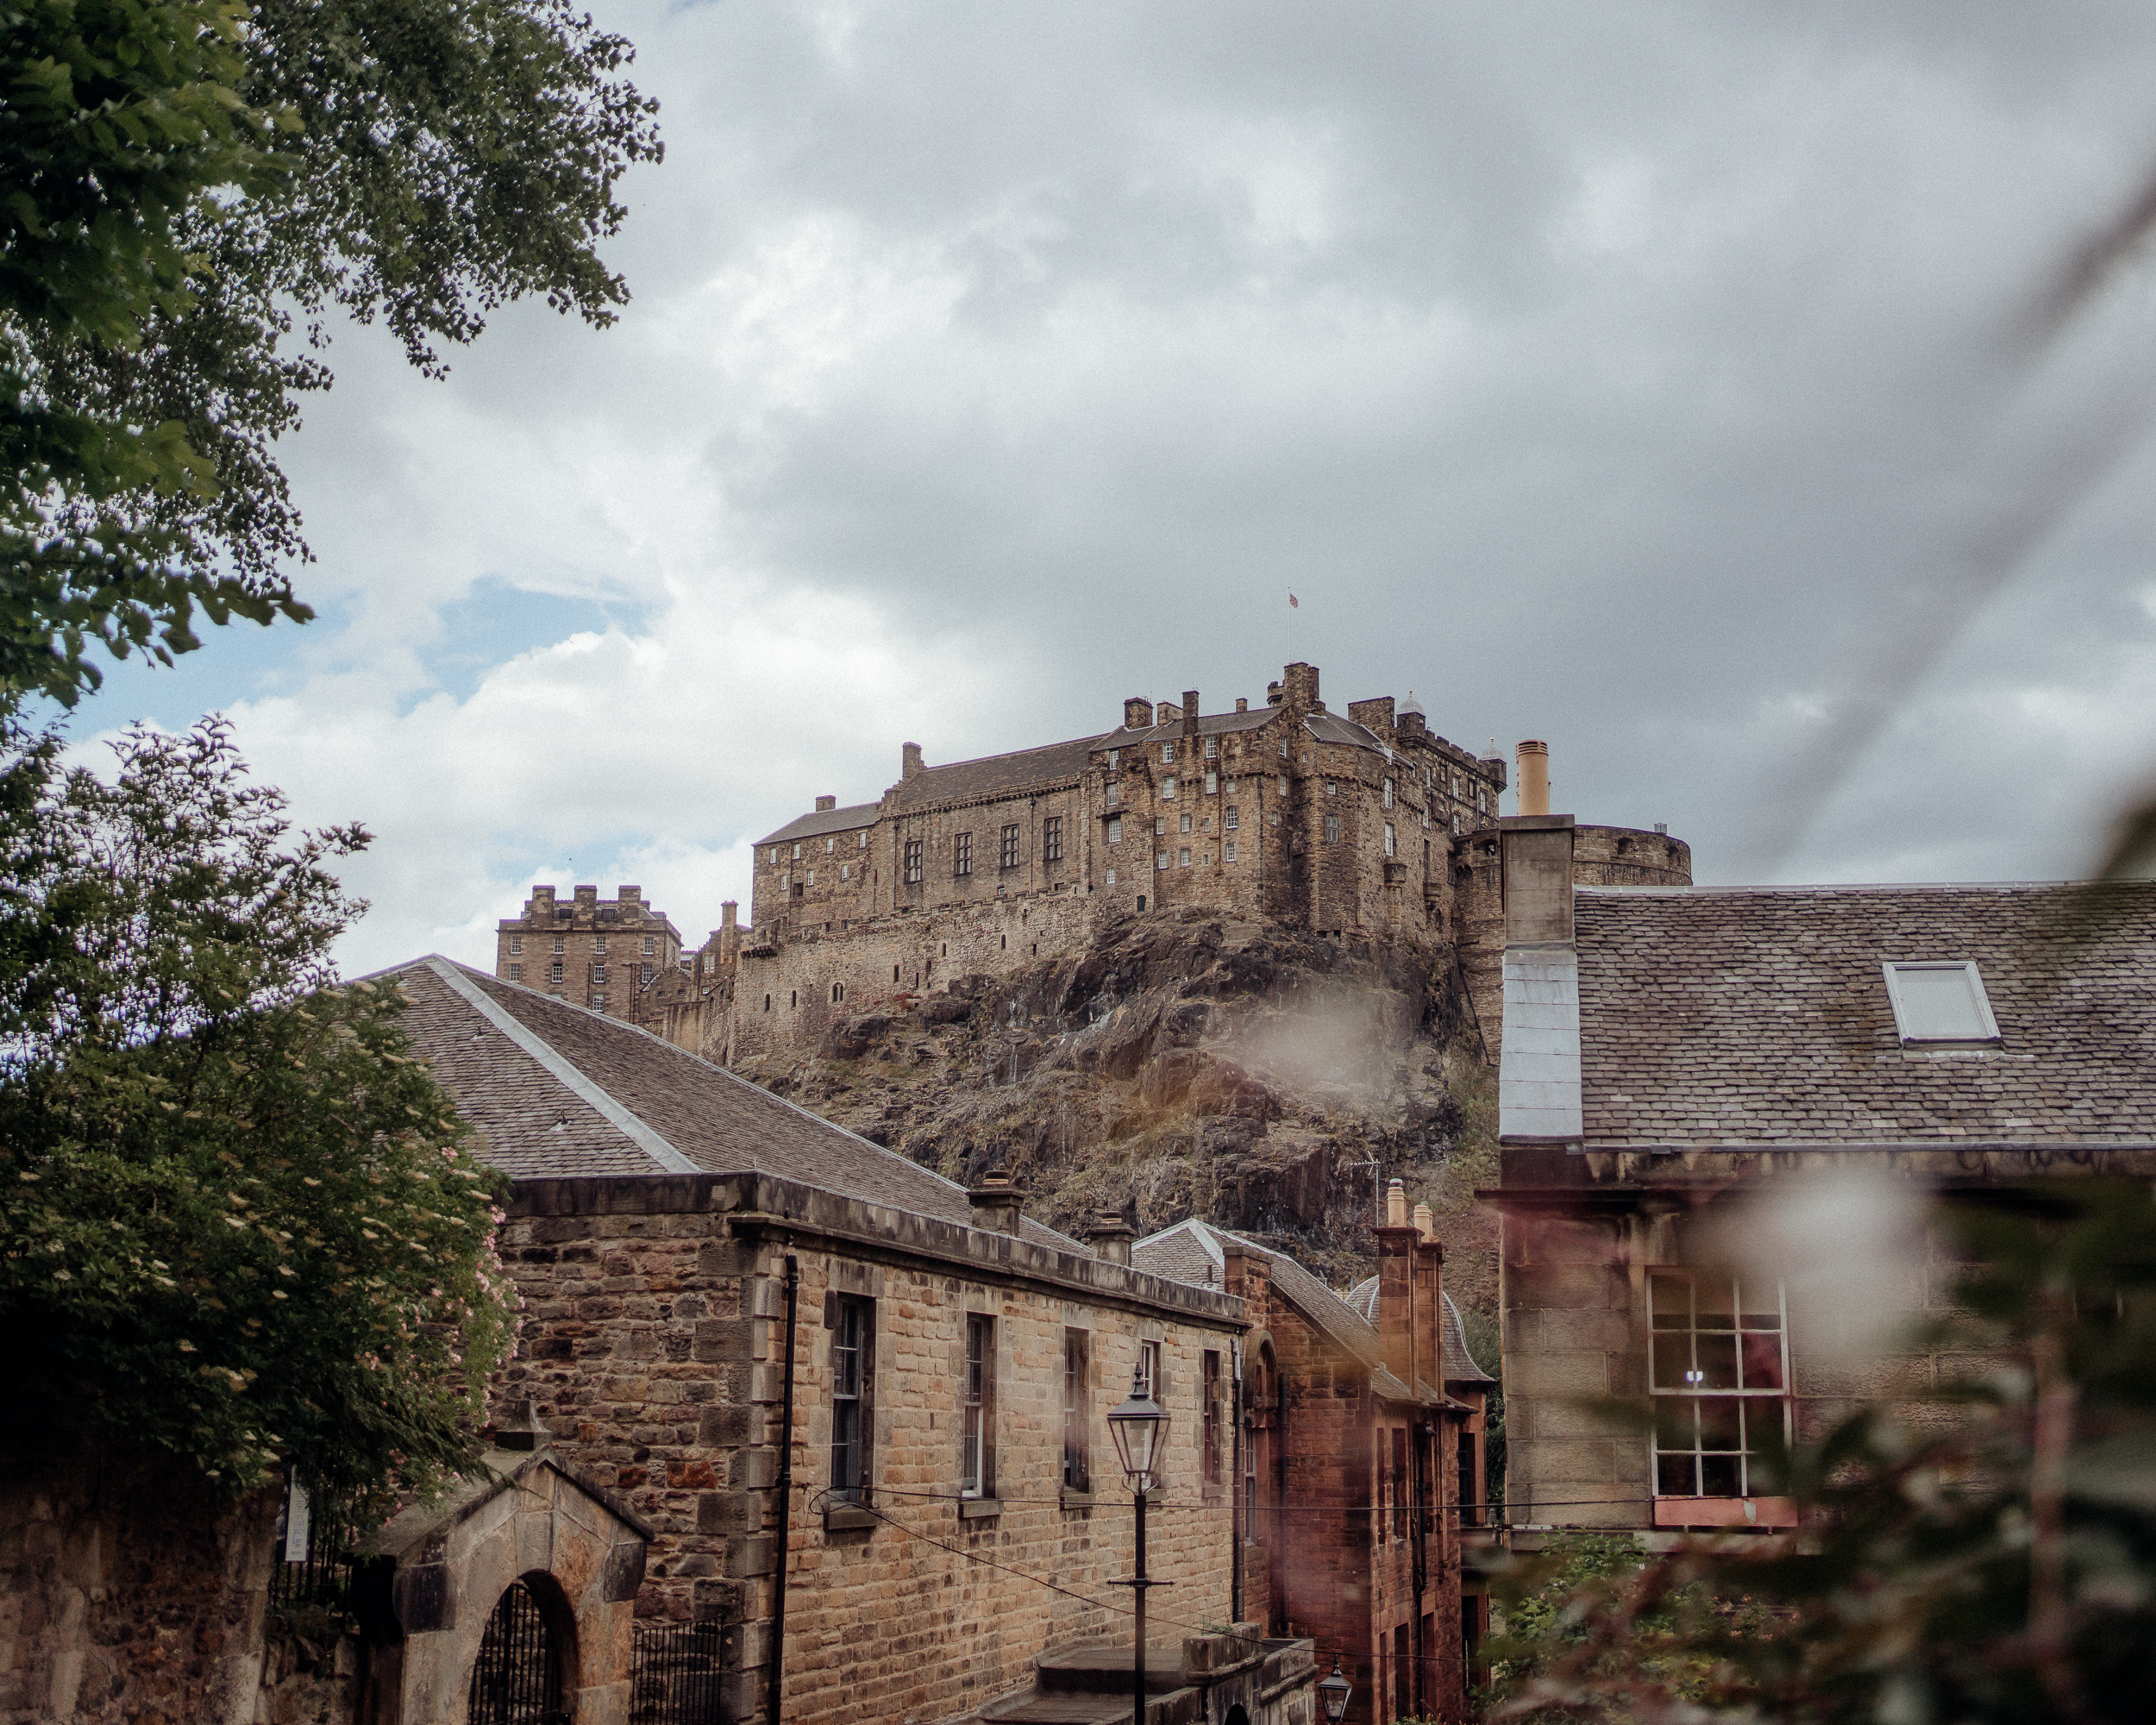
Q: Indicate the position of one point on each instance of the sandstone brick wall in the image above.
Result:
(129, 1590)
(653, 1343)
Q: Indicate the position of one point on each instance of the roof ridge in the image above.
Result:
(594, 1093)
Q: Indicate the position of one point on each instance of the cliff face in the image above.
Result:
(1186, 1062)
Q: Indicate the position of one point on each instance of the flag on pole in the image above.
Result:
(1294, 603)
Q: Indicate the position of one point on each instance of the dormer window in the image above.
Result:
(1940, 1005)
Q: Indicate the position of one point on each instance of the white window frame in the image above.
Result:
(1785, 1394)
(1894, 969)
(1115, 829)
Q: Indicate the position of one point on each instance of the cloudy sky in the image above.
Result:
(1642, 378)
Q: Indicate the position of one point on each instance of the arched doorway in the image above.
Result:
(516, 1679)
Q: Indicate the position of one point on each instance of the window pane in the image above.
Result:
(1675, 1422)
(1721, 1423)
(1763, 1361)
(1672, 1361)
(1721, 1476)
(1671, 1298)
(1714, 1353)
(1712, 1302)
(1675, 1476)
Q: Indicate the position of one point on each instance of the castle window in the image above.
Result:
(599, 946)
(599, 973)
(555, 974)
(894, 973)
(1283, 784)
(853, 1370)
(1389, 793)
(1284, 749)
(1213, 749)
(598, 1003)
(647, 976)
(1185, 824)
(516, 973)
(766, 1003)
(1228, 784)
(1231, 853)
(1331, 788)
(1161, 860)
(515, 944)
(1160, 825)
(1183, 857)
(838, 991)
(831, 845)
(1114, 755)
(1333, 829)
(961, 854)
(1391, 848)
(1141, 901)
(913, 861)
(1115, 829)
(1112, 877)
(1115, 794)
(797, 853)
(557, 942)
(861, 839)
(1234, 818)
(1052, 839)
(793, 997)
(786, 878)
(1168, 790)
(1456, 823)
(1168, 753)
(844, 871)
(1009, 856)
(651, 945)
(811, 877)
(773, 856)
(1212, 784)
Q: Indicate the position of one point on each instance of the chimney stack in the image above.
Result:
(1190, 712)
(1137, 713)
(996, 1203)
(910, 761)
(1396, 1243)
(1534, 778)
(823, 804)
(1110, 1236)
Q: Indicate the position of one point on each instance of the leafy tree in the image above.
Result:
(185, 177)
(1985, 1552)
(238, 1221)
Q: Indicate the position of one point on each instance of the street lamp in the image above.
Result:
(1140, 1430)
(1333, 1692)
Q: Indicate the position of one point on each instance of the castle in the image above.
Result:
(1361, 826)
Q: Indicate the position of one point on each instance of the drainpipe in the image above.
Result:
(785, 1497)
(1235, 1495)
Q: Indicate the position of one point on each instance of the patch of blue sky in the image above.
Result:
(494, 623)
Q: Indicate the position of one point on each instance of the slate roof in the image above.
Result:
(1715, 1017)
(1459, 1364)
(819, 822)
(560, 1092)
(1190, 1251)
(1330, 727)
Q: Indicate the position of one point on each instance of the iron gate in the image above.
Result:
(517, 1680)
(673, 1675)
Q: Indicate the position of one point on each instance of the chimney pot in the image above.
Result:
(997, 1204)
(1110, 1236)
(1534, 778)
(1396, 1205)
(1425, 1221)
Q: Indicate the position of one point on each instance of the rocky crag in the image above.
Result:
(1186, 1062)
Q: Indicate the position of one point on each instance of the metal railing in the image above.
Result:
(673, 1675)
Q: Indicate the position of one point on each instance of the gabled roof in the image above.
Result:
(1717, 1017)
(1459, 1364)
(559, 1092)
(819, 822)
(1330, 727)
(1191, 1252)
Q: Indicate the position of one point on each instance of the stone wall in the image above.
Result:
(129, 1590)
(652, 1340)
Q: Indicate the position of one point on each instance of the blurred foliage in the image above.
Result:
(238, 1221)
(1982, 1550)
(179, 180)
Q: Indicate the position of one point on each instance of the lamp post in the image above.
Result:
(1333, 1692)
(1140, 1429)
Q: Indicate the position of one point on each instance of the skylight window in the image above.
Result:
(1941, 1006)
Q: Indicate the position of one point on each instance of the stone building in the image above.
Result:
(720, 1290)
(599, 953)
(1672, 1058)
(1363, 1424)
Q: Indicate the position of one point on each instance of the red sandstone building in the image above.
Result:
(1361, 1428)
